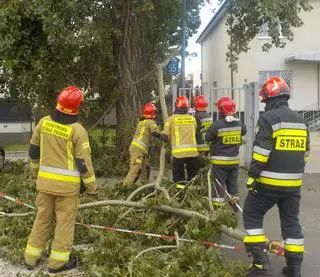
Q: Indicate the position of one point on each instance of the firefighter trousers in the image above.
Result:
(257, 205)
(139, 169)
(228, 178)
(49, 207)
(191, 164)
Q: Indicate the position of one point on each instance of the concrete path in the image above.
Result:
(310, 220)
(313, 164)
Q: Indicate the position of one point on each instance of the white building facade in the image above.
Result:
(298, 63)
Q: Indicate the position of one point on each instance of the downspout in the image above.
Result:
(318, 71)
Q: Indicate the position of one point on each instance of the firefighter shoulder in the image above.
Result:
(146, 128)
(204, 121)
(64, 160)
(225, 135)
(180, 131)
(280, 150)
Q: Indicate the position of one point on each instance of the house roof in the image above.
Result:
(305, 58)
(216, 19)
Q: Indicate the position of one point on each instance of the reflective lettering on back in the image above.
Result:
(184, 120)
(56, 129)
(231, 139)
(286, 143)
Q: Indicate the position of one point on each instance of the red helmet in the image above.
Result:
(69, 100)
(149, 111)
(226, 106)
(274, 87)
(182, 102)
(200, 103)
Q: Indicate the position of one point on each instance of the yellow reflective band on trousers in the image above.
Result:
(139, 145)
(182, 150)
(289, 132)
(279, 182)
(254, 239)
(203, 148)
(180, 186)
(294, 248)
(33, 251)
(60, 256)
(89, 180)
(259, 157)
(59, 177)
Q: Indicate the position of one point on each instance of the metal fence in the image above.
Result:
(247, 101)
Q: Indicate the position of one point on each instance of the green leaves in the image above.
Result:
(247, 16)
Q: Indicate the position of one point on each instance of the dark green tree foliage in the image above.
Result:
(247, 16)
(113, 254)
(45, 45)
(105, 47)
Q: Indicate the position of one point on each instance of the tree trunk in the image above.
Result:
(131, 64)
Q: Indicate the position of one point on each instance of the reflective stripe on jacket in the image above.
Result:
(204, 121)
(281, 145)
(141, 139)
(226, 139)
(181, 131)
(61, 146)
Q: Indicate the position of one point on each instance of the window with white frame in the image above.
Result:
(264, 31)
(284, 74)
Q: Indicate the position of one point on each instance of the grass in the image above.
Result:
(100, 133)
(16, 147)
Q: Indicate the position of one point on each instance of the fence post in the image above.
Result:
(174, 91)
(251, 118)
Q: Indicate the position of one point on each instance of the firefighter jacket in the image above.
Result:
(280, 148)
(225, 138)
(180, 129)
(204, 121)
(141, 139)
(60, 154)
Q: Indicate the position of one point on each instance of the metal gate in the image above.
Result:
(247, 104)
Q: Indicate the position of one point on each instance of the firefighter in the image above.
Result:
(225, 136)
(60, 158)
(204, 121)
(275, 177)
(139, 147)
(180, 131)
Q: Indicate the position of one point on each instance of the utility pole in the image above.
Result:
(183, 46)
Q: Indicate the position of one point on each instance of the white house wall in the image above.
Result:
(304, 75)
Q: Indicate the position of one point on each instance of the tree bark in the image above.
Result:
(130, 64)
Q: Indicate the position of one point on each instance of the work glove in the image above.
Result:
(251, 185)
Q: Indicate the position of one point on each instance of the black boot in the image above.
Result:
(260, 265)
(72, 263)
(293, 268)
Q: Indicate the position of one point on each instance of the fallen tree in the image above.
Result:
(185, 215)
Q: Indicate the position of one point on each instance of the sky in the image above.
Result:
(206, 15)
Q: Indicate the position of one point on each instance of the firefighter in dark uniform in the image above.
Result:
(225, 136)
(275, 178)
(204, 121)
(180, 132)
